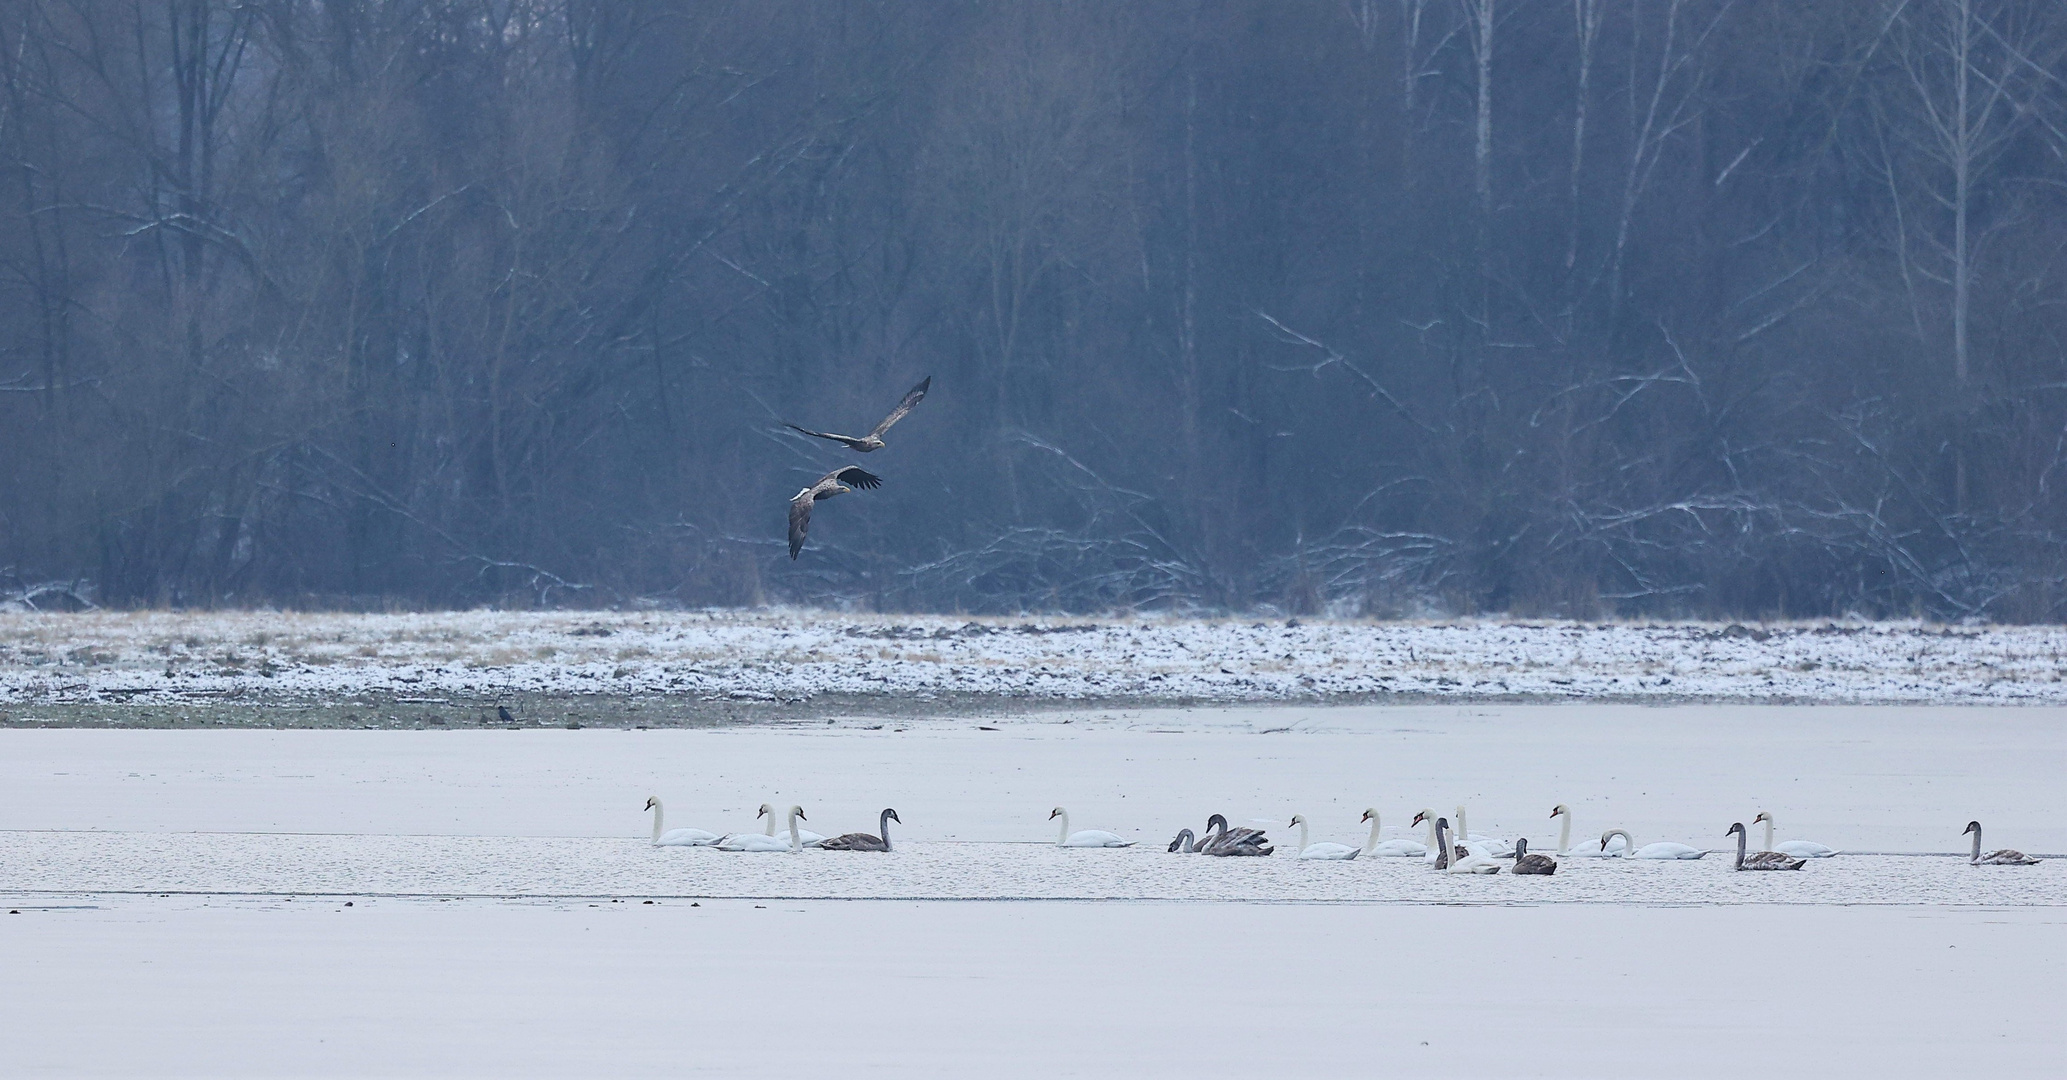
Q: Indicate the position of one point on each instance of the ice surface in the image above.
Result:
(797, 655)
(189, 986)
(120, 849)
(1861, 778)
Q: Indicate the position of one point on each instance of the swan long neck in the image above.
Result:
(1371, 845)
(883, 829)
(1628, 842)
(1769, 833)
(796, 839)
(768, 812)
(657, 812)
(1430, 818)
(1302, 834)
(1564, 832)
(1463, 831)
(1064, 834)
(1977, 843)
(1740, 848)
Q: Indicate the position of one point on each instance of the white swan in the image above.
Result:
(758, 842)
(804, 836)
(1565, 850)
(677, 837)
(1491, 846)
(1470, 863)
(1398, 847)
(1800, 849)
(1434, 854)
(1324, 849)
(1663, 849)
(1087, 838)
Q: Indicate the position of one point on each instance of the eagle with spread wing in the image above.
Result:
(833, 483)
(874, 439)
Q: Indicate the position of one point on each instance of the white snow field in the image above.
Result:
(183, 899)
(816, 989)
(794, 656)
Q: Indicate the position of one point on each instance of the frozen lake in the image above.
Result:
(955, 990)
(194, 884)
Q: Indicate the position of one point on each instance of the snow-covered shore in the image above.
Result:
(787, 656)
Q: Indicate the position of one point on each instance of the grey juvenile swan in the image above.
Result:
(1998, 857)
(829, 485)
(1185, 844)
(861, 841)
(1762, 860)
(1226, 842)
(1525, 863)
(874, 439)
(1467, 862)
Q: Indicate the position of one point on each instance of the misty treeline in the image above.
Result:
(1569, 307)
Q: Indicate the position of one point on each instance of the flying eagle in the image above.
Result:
(874, 439)
(829, 485)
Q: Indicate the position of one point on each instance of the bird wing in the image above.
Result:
(911, 399)
(855, 476)
(845, 440)
(799, 521)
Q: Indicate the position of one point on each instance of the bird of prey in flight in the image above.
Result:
(829, 485)
(874, 439)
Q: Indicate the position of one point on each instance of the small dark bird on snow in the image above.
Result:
(874, 439)
(829, 485)
(502, 713)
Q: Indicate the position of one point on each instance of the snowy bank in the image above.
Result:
(788, 656)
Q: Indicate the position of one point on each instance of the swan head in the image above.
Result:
(1217, 819)
(764, 811)
(1762, 816)
(892, 815)
(798, 813)
(1736, 829)
(1055, 813)
(652, 801)
(1972, 826)
(1297, 819)
(1370, 815)
(1421, 817)
(1560, 808)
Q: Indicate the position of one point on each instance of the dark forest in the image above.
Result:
(1651, 308)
